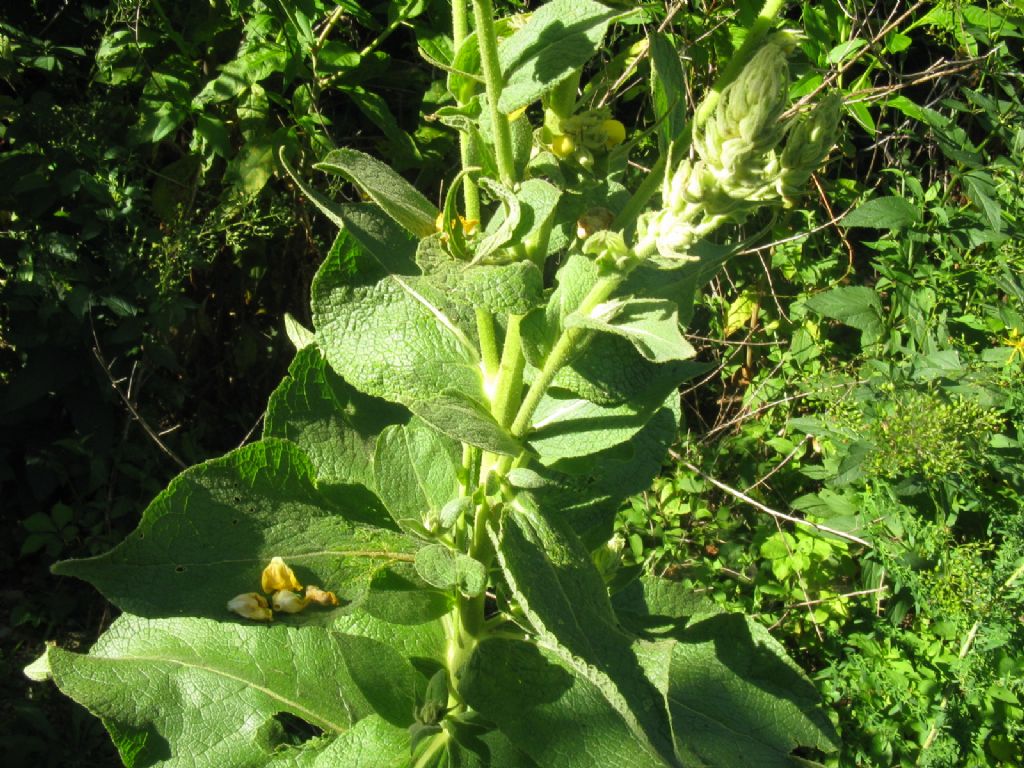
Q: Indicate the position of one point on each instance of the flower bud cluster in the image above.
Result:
(583, 134)
(747, 156)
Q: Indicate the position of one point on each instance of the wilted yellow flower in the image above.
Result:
(277, 576)
(320, 596)
(251, 606)
(287, 601)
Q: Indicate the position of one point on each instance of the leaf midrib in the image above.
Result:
(298, 708)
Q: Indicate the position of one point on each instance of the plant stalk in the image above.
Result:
(483, 15)
(467, 145)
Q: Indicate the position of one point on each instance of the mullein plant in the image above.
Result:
(448, 452)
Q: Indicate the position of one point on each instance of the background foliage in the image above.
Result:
(865, 375)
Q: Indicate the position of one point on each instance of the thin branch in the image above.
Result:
(131, 408)
(774, 513)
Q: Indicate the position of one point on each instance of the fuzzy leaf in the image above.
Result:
(566, 426)
(397, 197)
(208, 537)
(335, 424)
(444, 568)
(392, 337)
(467, 421)
(416, 471)
(737, 699)
(193, 692)
(650, 325)
(558, 717)
(560, 36)
(564, 598)
(588, 493)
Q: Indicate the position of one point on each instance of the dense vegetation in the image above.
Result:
(863, 376)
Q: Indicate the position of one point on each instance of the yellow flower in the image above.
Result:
(288, 602)
(251, 606)
(614, 133)
(320, 596)
(563, 146)
(277, 576)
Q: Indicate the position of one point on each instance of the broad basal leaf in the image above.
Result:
(547, 709)
(391, 337)
(560, 36)
(208, 537)
(737, 699)
(397, 197)
(193, 692)
(416, 471)
(565, 600)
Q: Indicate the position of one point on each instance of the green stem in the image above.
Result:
(510, 374)
(398, 21)
(467, 146)
(483, 15)
(488, 342)
(570, 343)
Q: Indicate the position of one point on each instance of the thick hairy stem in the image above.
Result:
(510, 374)
(483, 15)
(467, 145)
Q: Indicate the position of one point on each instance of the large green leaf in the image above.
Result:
(397, 197)
(564, 598)
(335, 424)
(193, 692)
(560, 36)
(588, 493)
(558, 717)
(857, 306)
(392, 337)
(737, 699)
(208, 537)
(565, 426)
(371, 743)
(417, 472)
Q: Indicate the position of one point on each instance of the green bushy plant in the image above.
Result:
(412, 566)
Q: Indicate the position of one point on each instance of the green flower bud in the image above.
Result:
(610, 252)
(746, 121)
(810, 139)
